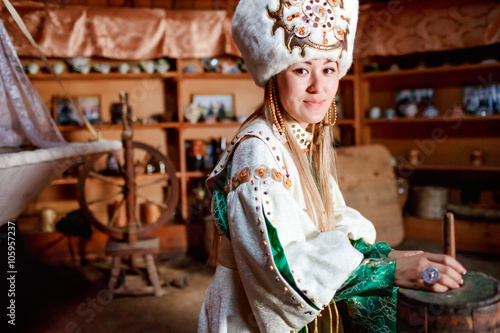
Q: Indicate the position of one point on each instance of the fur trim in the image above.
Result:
(266, 54)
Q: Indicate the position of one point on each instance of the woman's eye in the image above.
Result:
(329, 70)
(301, 71)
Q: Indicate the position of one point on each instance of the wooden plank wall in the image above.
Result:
(167, 4)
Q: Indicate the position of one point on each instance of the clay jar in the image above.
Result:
(48, 219)
(150, 212)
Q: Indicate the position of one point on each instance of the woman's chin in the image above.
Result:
(318, 119)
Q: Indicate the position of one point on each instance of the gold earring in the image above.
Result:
(333, 107)
(275, 109)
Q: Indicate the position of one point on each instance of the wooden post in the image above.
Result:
(129, 169)
(449, 235)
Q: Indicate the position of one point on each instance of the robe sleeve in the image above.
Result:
(349, 220)
(289, 270)
(368, 298)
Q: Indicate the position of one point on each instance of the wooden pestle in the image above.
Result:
(449, 235)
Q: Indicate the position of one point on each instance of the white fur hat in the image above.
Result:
(274, 34)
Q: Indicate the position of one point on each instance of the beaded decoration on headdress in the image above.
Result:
(319, 24)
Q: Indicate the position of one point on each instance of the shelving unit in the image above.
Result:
(167, 94)
(445, 143)
(451, 139)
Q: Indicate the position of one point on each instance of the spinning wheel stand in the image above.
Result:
(121, 190)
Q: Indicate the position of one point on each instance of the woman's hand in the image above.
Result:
(410, 268)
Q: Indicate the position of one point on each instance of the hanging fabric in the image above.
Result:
(24, 118)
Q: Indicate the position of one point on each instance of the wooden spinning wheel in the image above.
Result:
(128, 188)
(106, 199)
(111, 199)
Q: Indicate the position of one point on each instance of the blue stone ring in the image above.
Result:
(430, 275)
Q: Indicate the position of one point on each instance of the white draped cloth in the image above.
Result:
(25, 120)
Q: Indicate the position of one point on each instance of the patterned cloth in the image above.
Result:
(368, 298)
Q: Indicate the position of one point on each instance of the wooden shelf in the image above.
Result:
(100, 76)
(238, 124)
(342, 122)
(429, 120)
(484, 168)
(211, 125)
(74, 180)
(197, 174)
(430, 70)
(471, 235)
(231, 76)
(117, 127)
(438, 78)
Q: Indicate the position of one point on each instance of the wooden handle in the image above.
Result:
(449, 235)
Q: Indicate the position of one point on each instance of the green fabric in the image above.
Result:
(219, 211)
(368, 298)
(281, 262)
(377, 250)
(219, 202)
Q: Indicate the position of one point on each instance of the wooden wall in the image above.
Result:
(167, 4)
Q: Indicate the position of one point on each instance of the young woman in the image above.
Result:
(290, 250)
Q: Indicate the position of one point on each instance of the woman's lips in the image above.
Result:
(314, 103)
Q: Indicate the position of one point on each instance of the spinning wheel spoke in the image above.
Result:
(161, 204)
(116, 213)
(145, 160)
(105, 179)
(107, 198)
(153, 182)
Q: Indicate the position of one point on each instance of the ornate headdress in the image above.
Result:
(274, 34)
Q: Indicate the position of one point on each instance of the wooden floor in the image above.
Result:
(69, 298)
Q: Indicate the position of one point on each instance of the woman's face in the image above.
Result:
(307, 89)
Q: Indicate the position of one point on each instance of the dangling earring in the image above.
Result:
(278, 123)
(333, 108)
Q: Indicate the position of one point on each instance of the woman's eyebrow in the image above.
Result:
(326, 62)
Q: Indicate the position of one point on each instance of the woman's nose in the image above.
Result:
(316, 84)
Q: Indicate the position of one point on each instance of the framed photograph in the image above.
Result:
(215, 107)
(66, 114)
